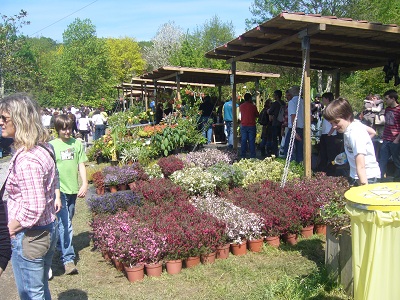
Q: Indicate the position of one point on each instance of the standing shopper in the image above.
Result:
(227, 114)
(249, 114)
(391, 134)
(99, 122)
(358, 146)
(70, 158)
(5, 245)
(31, 187)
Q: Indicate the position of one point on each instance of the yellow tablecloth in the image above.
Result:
(375, 227)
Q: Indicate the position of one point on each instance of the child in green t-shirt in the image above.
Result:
(70, 158)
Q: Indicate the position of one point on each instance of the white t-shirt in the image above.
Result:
(357, 141)
(84, 123)
(98, 119)
(292, 106)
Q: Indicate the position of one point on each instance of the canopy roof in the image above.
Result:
(204, 76)
(335, 43)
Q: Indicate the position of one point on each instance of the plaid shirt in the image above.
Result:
(31, 187)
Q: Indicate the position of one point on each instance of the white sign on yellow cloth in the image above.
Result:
(375, 227)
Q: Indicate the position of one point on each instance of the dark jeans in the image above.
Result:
(248, 133)
(298, 145)
(329, 147)
(387, 150)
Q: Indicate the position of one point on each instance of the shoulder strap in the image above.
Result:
(51, 153)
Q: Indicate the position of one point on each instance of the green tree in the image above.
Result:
(125, 59)
(81, 73)
(204, 38)
(14, 55)
(263, 10)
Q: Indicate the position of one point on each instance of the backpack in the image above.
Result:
(263, 118)
(281, 113)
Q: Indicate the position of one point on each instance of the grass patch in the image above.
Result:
(285, 273)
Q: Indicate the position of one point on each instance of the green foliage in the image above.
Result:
(125, 59)
(170, 139)
(84, 62)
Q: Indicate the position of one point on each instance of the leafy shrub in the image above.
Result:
(170, 164)
(258, 171)
(110, 203)
(159, 190)
(195, 180)
(207, 158)
(229, 176)
(153, 171)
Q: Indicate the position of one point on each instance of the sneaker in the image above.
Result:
(70, 268)
(50, 274)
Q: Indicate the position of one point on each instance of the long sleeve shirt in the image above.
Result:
(31, 187)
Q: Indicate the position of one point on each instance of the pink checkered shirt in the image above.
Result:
(31, 187)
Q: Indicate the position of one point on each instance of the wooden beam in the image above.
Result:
(309, 31)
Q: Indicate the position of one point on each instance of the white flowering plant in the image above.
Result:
(195, 180)
(240, 223)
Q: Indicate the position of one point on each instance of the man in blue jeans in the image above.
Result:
(293, 98)
(70, 158)
(249, 114)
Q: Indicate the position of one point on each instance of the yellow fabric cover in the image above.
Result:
(376, 247)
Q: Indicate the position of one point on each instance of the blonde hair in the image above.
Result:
(25, 116)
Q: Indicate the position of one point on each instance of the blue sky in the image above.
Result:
(120, 18)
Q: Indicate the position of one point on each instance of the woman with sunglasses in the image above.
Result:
(31, 185)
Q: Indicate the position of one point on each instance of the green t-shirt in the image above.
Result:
(68, 156)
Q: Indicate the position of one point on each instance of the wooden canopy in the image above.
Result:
(204, 76)
(335, 43)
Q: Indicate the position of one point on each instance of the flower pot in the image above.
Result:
(114, 163)
(106, 256)
(153, 270)
(307, 231)
(174, 266)
(118, 265)
(208, 258)
(239, 249)
(320, 229)
(113, 188)
(255, 245)
(273, 241)
(100, 190)
(223, 251)
(135, 273)
(192, 261)
(122, 187)
(290, 238)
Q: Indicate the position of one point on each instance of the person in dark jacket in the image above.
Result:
(5, 244)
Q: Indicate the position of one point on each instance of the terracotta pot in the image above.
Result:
(290, 238)
(320, 229)
(273, 241)
(122, 187)
(118, 265)
(192, 261)
(239, 249)
(135, 273)
(153, 270)
(113, 188)
(307, 232)
(223, 251)
(255, 245)
(174, 266)
(208, 258)
(100, 190)
(106, 256)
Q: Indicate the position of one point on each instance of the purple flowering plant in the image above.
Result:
(110, 203)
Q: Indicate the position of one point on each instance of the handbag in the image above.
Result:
(379, 119)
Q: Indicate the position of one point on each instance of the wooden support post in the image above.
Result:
(178, 88)
(234, 101)
(307, 108)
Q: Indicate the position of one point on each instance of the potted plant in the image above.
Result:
(98, 181)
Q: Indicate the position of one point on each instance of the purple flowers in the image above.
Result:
(111, 203)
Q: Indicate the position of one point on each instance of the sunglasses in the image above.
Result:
(4, 118)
